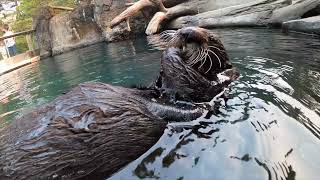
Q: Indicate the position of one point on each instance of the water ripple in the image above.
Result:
(268, 128)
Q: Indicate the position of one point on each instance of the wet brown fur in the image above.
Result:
(96, 129)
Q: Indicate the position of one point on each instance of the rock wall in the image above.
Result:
(219, 4)
(41, 24)
(307, 25)
(106, 10)
(90, 22)
(74, 30)
(87, 24)
(253, 13)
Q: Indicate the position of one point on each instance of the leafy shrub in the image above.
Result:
(25, 12)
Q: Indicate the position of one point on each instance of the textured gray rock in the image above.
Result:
(219, 4)
(106, 10)
(75, 30)
(90, 23)
(294, 11)
(41, 25)
(313, 12)
(307, 25)
(86, 25)
(254, 13)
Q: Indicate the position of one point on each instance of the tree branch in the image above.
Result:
(160, 17)
(132, 11)
(162, 14)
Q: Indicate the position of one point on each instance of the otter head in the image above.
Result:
(192, 63)
(202, 50)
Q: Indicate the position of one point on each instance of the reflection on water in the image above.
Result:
(269, 128)
(125, 63)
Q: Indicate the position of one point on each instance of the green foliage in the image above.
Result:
(18, 26)
(25, 12)
(28, 8)
(22, 45)
(22, 25)
(1, 26)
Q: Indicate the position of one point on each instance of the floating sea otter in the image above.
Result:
(96, 129)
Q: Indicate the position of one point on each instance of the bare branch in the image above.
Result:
(162, 14)
(131, 11)
(160, 18)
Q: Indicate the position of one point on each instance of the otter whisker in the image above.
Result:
(203, 55)
(204, 59)
(191, 57)
(216, 48)
(157, 42)
(210, 63)
(170, 42)
(173, 41)
(216, 56)
(168, 32)
(162, 35)
(199, 57)
(166, 36)
(194, 57)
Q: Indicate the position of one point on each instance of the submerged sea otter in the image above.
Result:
(96, 129)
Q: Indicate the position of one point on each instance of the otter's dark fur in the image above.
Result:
(96, 129)
(199, 81)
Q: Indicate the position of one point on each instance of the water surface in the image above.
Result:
(269, 128)
(124, 63)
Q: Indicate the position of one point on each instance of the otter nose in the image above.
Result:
(188, 34)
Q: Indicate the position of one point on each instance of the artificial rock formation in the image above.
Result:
(111, 20)
(41, 24)
(256, 13)
(307, 25)
(106, 10)
(199, 13)
(87, 24)
(162, 13)
(310, 22)
(74, 30)
(56, 34)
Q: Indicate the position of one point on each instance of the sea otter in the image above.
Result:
(96, 129)
(191, 64)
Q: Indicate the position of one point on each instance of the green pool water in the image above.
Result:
(124, 63)
(269, 128)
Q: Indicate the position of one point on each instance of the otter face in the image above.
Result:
(199, 48)
(190, 35)
(193, 60)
